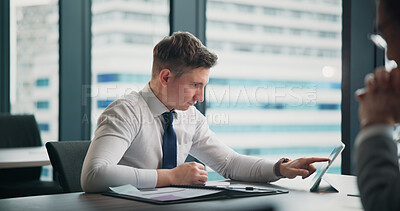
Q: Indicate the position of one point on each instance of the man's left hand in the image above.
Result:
(300, 167)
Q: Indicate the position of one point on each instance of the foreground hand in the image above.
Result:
(189, 174)
(395, 81)
(300, 167)
(379, 104)
(378, 108)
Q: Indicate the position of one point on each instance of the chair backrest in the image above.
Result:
(67, 158)
(19, 131)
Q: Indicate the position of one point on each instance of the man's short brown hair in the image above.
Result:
(180, 53)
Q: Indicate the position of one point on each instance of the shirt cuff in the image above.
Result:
(268, 171)
(381, 129)
(147, 178)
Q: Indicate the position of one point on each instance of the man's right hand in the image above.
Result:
(189, 174)
(185, 174)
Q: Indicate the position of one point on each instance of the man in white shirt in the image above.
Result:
(144, 138)
(377, 162)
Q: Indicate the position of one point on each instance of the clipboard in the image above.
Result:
(175, 194)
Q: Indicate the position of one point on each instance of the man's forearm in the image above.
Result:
(164, 177)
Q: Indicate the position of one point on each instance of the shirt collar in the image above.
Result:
(156, 107)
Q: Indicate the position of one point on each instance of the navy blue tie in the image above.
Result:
(169, 142)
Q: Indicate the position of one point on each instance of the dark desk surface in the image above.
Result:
(299, 198)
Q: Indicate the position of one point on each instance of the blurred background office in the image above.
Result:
(282, 86)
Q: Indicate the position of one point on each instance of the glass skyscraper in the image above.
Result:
(34, 62)
(276, 90)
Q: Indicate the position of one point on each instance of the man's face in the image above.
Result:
(390, 31)
(186, 90)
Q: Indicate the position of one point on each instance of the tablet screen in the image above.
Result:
(321, 171)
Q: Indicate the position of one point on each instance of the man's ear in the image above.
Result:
(165, 76)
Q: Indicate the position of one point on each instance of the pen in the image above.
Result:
(246, 188)
(389, 64)
(355, 195)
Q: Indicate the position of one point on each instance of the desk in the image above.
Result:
(298, 198)
(23, 157)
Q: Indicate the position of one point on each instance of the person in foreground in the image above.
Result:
(376, 156)
(144, 138)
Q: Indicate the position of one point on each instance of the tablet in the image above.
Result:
(321, 171)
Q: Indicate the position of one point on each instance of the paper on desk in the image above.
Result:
(170, 193)
(217, 183)
(127, 189)
(162, 194)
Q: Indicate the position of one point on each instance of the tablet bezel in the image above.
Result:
(318, 176)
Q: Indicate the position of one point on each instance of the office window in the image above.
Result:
(276, 90)
(44, 127)
(42, 105)
(34, 62)
(102, 104)
(243, 8)
(273, 29)
(272, 11)
(42, 82)
(123, 36)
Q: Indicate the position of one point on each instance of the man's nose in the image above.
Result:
(199, 95)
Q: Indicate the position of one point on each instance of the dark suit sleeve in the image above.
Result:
(378, 173)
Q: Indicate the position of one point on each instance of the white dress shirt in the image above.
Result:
(127, 146)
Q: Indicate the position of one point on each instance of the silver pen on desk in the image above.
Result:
(245, 188)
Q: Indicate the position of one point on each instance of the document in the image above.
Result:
(163, 194)
(189, 193)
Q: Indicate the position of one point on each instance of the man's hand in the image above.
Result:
(395, 81)
(186, 174)
(300, 167)
(189, 174)
(379, 104)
